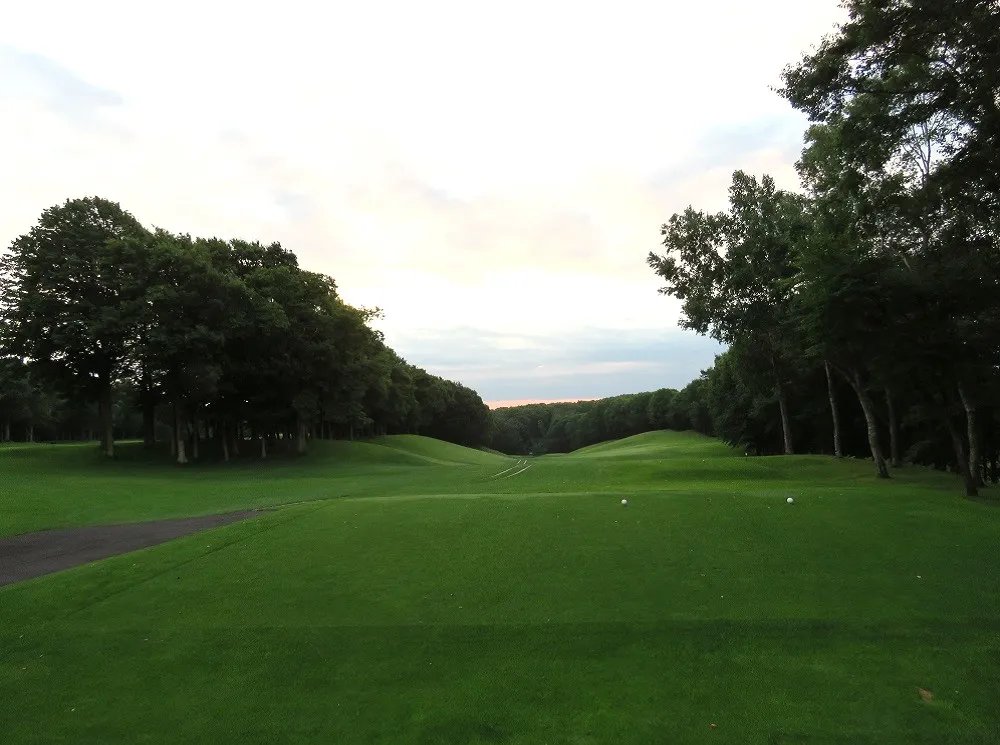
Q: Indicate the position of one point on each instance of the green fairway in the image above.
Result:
(414, 591)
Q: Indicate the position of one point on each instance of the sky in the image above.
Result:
(491, 175)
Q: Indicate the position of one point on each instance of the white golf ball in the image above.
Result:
(789, 500)
(625, 502)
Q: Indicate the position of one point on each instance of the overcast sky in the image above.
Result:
(491, 175)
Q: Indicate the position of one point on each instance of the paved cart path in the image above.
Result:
(45, 551)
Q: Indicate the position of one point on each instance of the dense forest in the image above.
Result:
(883, 273)
(536, 429)
(112, 330)
(861, 313)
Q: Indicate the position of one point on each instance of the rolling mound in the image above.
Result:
(663, 443)
(437, 451)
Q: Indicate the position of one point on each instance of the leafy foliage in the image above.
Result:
(886, 270)
(217, 342)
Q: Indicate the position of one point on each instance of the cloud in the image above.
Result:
(594, 363)
(367, 225)
(32, 77)
(728, 146)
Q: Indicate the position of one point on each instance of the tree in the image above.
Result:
(15, 395)
(741, 399)
(907, 88)
(732, 271)
(659, 407)
(900, 65)
(64, 288)
(183, 309)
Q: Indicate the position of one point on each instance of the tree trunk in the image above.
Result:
(975, 459)
(148, 413)
(181, 450)
(786, 428)
(107, 424)
(893, 431)
(6, 430)
(300, 445)
(31, 432)
(194, 433)
(869, 410)
(992, 459)
(968, 479)
(225, 443)
(179, 435)
(173, 430)
(263, 445)
(837, 450)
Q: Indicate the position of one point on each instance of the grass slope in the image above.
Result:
(437, 451)
(54, 486)
(429, 603)
(659, 444)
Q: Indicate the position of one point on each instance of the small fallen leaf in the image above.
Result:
(925, 694)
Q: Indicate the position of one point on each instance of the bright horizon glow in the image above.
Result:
(491, 176)
(527, 401)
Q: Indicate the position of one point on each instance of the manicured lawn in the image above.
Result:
(417, 598)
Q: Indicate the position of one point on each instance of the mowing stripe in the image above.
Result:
(517, 472)
(507, 469)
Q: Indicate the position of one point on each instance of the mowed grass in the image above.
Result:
(50, 486)
(415, 596)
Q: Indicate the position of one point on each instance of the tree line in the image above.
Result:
(536, 429)
(112, 329)
(869, 301)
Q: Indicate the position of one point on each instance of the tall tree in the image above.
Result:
(909, 87)
(63, 287)
(834, 412)
(896, 66)
(733, 272)
(184, 318)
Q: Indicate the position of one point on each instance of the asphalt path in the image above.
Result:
(35, 554)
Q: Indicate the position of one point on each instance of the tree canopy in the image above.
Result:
(108, 326)
(881, 275)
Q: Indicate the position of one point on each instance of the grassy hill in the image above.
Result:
(430, 594)
(50, 486)
(664, 443)
(436, 451)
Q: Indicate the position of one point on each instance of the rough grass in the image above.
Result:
(418, 602)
